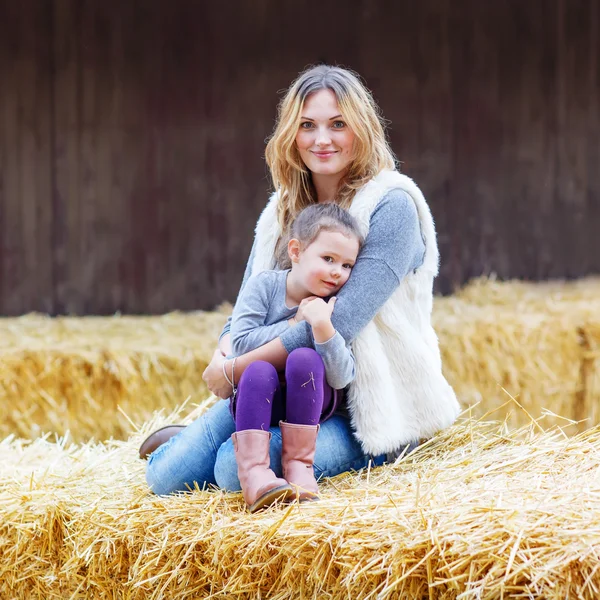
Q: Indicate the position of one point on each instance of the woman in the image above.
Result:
(329, 146)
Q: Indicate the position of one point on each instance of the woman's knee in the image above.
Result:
(338, 450)
(188, 458)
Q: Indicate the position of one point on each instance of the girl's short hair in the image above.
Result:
(291, 178)
(321, 217)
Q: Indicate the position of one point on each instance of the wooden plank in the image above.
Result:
(132, 137)
(25, 161)
(66, 149)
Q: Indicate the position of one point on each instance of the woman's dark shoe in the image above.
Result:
(158, 438)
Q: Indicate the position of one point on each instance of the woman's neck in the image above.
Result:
(326, 186)
(294, 291)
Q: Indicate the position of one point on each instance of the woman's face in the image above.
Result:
(324, 139)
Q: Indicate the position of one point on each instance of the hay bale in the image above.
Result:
(539, 342)
(488, 291)
(478, 512)
(82, 374)
(533, 345)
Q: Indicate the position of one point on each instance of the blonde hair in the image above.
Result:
(291, 178)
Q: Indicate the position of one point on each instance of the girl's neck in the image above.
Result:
(295, 292)
(326, 186)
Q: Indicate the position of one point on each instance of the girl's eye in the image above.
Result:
(347, 266)
(328, 259)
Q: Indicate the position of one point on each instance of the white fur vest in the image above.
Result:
(399, 394)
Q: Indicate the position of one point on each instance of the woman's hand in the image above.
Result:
(214, 378)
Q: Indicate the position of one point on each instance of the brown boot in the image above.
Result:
(260, 486)
(158, 438)
(297, 456)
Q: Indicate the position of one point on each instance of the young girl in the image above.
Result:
(324, 244)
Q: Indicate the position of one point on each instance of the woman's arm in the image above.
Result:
(225, 343)
(273, 352)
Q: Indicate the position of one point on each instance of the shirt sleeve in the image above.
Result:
(338, 360)
(227, 326)
(393, 248)
(248, 329)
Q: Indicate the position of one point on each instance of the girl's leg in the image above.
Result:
(257, 393)
(305, 376)
(337, 451)
(306, 387)
(189, 457)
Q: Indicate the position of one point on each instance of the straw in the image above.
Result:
(81, 374)
(477, 512)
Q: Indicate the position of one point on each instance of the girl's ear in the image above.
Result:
(294, 250)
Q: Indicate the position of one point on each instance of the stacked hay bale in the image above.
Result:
(524, 350)
(478, 512)
(88, 375)
(504, 346)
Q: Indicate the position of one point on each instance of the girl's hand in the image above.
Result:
(299, 316)
(214, 378)
(318, 312)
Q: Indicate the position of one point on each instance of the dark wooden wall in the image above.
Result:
(132, 136)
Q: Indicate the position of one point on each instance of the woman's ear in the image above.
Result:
(294, 250)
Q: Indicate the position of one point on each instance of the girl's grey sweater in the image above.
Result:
(393, 248)
(261, 314)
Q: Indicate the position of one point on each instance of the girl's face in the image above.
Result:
(324, 266)
(324, 140)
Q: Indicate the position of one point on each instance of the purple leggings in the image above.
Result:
(261, 401)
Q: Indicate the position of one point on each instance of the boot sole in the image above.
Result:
(283, 492)
(154, 441)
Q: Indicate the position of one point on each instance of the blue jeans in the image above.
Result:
(203, 453)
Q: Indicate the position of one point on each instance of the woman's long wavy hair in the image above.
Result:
(371, 150)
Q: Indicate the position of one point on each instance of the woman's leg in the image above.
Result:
(337, 451)
(189, 457)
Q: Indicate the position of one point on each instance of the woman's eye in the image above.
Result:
(306, 125)
(339, 124)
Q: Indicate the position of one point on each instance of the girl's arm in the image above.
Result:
(338, 360)
(226, 346)
(248, 322)
(329, 344)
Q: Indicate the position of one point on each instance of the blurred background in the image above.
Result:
(132, 137)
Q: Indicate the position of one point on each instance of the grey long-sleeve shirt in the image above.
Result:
(393, 248)
(261, 314)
